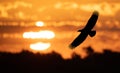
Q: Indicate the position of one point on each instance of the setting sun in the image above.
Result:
(40, 46)
(39, 23)
(46, 34)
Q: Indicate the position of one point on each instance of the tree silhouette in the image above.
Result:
(28, 62)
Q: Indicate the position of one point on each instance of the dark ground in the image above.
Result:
(28, 62)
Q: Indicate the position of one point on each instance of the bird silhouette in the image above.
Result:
(87, 30)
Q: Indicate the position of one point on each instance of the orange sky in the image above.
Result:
(55, 10)
(61, 10)
(74, 13)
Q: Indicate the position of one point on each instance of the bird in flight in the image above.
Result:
(87, 30)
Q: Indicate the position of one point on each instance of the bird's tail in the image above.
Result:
(92, 33)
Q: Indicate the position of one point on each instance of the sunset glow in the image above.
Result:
(40, 46)
(39, 23)
(46, 34)
(53, 25)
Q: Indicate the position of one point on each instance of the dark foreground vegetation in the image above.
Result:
(28, 62)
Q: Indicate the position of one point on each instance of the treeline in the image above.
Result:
(28, 62)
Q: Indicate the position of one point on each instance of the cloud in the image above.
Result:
(21, 15)
(66, 5)
(3, 12)
(106, 9)
(15, 5)
(5, 7)
(20, 3)
(70, 10)
(41, 9)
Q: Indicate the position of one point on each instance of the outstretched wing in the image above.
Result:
(91, 22)
(78, 40)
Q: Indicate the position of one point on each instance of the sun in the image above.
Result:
(44, 34)
(39, 23)
(40, 46)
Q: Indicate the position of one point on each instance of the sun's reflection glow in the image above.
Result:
(39, 23)
(46, 34)
(40, 46)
